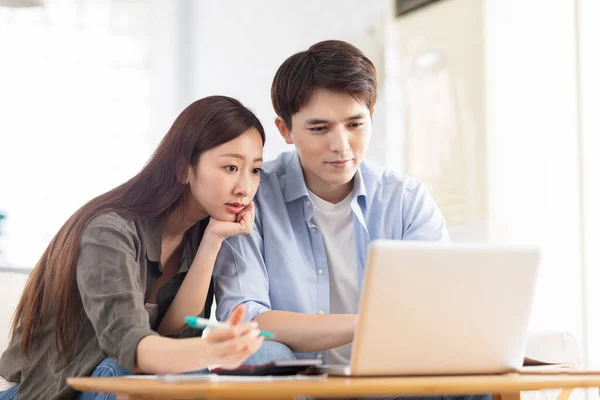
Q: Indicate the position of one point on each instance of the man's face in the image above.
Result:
(331, 135)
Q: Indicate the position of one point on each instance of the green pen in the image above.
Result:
(197, 322)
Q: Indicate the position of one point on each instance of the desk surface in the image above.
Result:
(337, 387)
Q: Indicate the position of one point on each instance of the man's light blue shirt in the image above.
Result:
(282, 264)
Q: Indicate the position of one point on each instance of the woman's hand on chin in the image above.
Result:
(243, 224)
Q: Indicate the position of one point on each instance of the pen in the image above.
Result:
(197, 322)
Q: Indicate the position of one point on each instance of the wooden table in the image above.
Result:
(507, 386)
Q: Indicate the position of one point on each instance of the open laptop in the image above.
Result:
(433, 308)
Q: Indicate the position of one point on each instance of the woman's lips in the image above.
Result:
(235, 208)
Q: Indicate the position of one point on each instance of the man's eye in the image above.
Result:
(318, 128)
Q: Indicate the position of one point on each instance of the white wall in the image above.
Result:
(533, 177)
(168, 74)
(80, 142)
(11, 286)
(589, 90)
(237, 47)
(87, 91)
(511, 75)
(514, 85)
(439, 70)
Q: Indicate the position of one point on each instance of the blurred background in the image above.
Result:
(494, 104)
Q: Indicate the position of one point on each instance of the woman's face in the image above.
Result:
(226, 177)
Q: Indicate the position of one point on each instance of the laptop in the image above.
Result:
(439, 308)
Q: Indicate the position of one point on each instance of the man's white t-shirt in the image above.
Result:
(337, 228)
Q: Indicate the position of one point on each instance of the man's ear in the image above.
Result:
(284, 130)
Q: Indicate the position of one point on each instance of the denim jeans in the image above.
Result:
(107, 368)
(10, 394)
(270, 351)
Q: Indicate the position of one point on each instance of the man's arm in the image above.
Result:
(304, 333)
(421, 217)
(240, 277)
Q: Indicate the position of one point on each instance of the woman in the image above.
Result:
(110, 293)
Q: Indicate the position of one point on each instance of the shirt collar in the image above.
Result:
(359, 183)
(153, 228)
(295, 186)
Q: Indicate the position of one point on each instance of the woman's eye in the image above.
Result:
(256, 171)
(231, 168)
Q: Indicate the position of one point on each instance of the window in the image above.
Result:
(74, 112)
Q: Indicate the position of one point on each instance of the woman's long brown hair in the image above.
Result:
(51, 291)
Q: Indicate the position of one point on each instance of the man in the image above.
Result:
(300, 271)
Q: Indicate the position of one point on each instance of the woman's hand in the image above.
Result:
(221, 230)
(223, 347)
(229, 348)
(191, 296)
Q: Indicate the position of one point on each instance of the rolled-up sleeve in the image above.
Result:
(421, 217)
(108, 278)
(240, 275)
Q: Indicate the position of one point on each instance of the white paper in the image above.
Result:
(173, 378)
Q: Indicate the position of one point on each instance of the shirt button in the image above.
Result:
(319, 356)
(320, 272)
(321, 312)
(313, 229)
(308, 203)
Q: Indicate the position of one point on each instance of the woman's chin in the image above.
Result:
(224, 216)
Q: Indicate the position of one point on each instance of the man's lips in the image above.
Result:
(340, 163)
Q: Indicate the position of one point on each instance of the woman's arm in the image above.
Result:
(191, 296)
(112, 295)
(227, 348)
(110, 287)
(160, 355)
